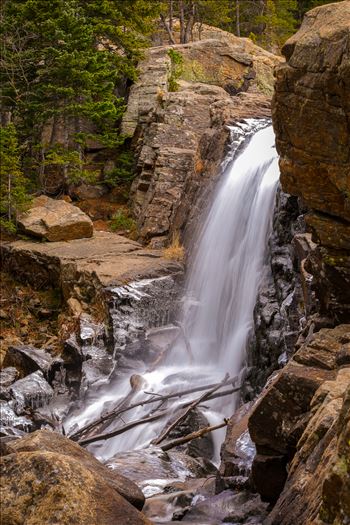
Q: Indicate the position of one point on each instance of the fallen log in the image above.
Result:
(190, 407)
(194, 435)
(157, 397)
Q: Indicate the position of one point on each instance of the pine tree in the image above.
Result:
(278, 22)
(13, 185)
(62, 61)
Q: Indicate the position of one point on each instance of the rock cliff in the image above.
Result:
(300, 424)
(178, 113)
(311, 110)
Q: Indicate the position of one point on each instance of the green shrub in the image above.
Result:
(124, 172)
(176, 69)
(122, 221)
(13, 184)
(71, 162)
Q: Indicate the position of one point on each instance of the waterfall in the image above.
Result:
(218, 304)
(226, 270)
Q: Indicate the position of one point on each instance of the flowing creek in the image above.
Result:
(209, 337)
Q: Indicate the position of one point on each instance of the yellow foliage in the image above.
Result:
(175, 250)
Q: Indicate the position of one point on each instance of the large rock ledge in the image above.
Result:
(180, 132)
(311, 114)
(82, 269)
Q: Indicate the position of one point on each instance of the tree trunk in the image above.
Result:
(168, 30)
(194, 435)
(9, 215)
(171, 14)
(238, 24)
(182, 21)
(190, 23)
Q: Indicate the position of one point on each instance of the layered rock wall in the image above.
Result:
(179, 125)
(311, 114)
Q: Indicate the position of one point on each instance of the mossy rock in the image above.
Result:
(47, 487)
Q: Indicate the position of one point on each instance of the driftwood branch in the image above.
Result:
(158, 397)
(194, 435)
(190, 407)
(150, 417)
(121, 430)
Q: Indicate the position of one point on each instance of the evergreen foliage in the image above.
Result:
(176, 69)
(61, 63)
(13, 185)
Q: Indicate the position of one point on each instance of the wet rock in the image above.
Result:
(162, 337)
(170, 480)
(318, 483)
(51, 442)
(199, 448)
(33, 391)
(273, 469)
(153, 470)
(46, 487)
(72, 356)
(91, 333)
(281, 299)
(10, 421)
(97, 361)
(8, 375)
(138, 308)
(55, 220)
(27, 359)
(228, 507)
(238, 450)
(97, 368)
(310, 114)
(282, 412)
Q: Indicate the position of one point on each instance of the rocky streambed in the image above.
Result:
(285, 458)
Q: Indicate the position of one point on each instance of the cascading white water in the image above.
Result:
(226, 270)
(219, 301)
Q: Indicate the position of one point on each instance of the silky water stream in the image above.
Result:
(216, 314)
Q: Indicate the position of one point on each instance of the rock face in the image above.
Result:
(55, 220)
(318, 484)
(291, 418)
(178, 127)
(27, 359)
(83, 268)
(48, 479)
(311, 110)
(282, 300)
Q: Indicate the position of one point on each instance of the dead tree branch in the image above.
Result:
(157, 397)
(190, 407)
(194, 435)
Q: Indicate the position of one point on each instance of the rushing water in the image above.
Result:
(217, 313)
